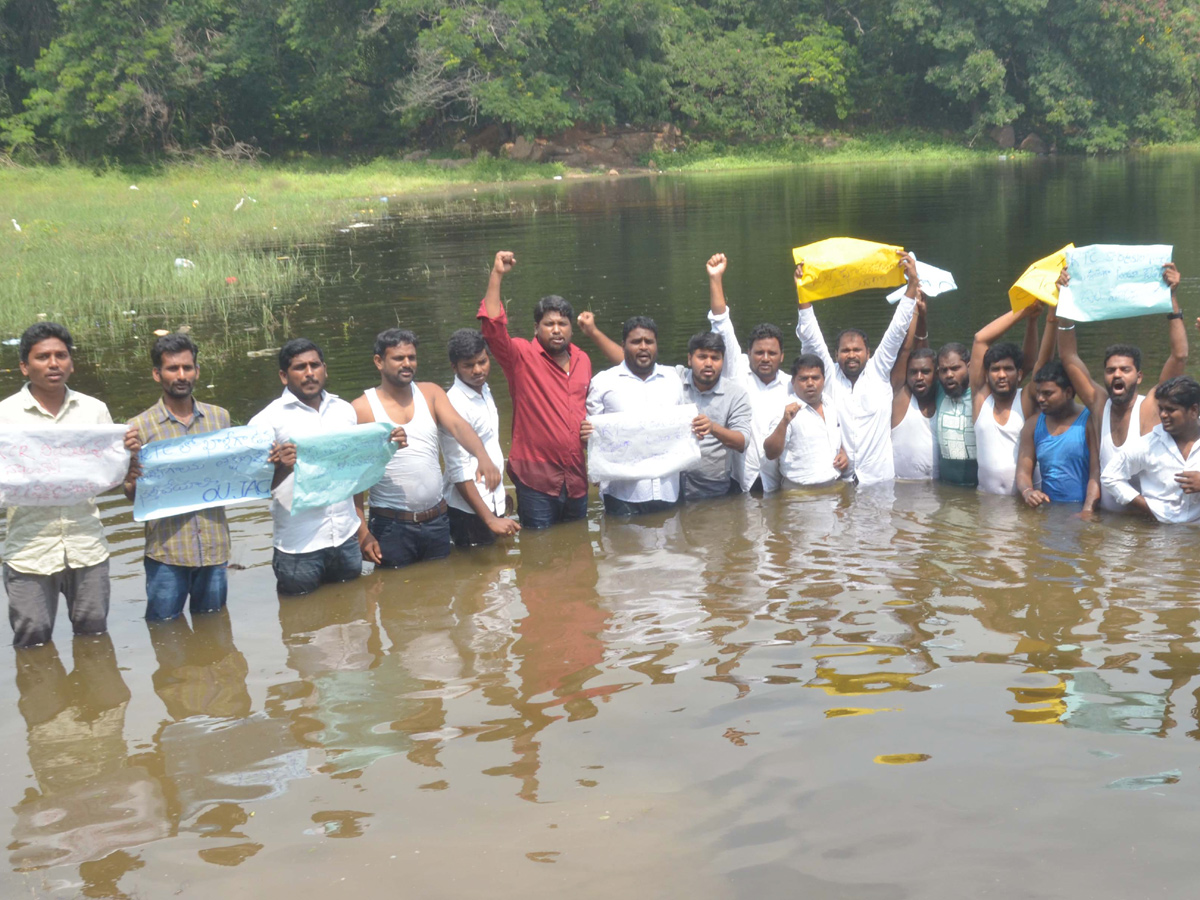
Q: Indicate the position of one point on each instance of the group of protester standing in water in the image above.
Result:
(964, 415)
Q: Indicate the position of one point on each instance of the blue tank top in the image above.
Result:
(1063, 459)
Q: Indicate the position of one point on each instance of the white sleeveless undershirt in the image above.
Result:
(913, 448)
(1108, 449)
(412, 481)
(996, 446)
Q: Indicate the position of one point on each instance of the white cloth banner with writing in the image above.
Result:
(219, 468)
(60, 466)
(1113, 281)
(630, 446)
(934, 281)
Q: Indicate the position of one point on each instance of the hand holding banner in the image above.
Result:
(60, 466)
(335, 466)
(1039, 282)
(1111, 281)
(837, 266)
(934, 281)
(628, 446)
(220, 468)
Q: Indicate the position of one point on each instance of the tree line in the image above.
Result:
(88, 79)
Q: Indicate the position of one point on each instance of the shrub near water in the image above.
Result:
(90, 249)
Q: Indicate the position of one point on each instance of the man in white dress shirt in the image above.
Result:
(806, 437)
(758, 373)
(476, 517)
(312, 546)
(1166, 461)
(860, 385)
(638, 385)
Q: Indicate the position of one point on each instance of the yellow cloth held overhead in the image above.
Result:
(839, 266)
(1039, 281)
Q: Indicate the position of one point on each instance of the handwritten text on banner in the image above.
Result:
(337, 465)
(183, 474)
(629, 446)
(1111, 281)
(60, 466)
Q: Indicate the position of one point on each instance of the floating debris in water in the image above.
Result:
(268, 351)
(160, 332)
(1145, 782)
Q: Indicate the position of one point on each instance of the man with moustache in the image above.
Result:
(996, 372)
(52, 550)
(860, 386)
(548, 381)
(475, 519)
(914, 402)
(311, 546)
(409, 519)
(724, 421)
(757, 373)
(806, 437)
(1062, 442)
(953, 429)
(1116, 405)
(1166, 462)
(185, 555)
(638, 385)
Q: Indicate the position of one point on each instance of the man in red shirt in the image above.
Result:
(548, 381)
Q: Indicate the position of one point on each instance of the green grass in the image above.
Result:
(900, 146)
(98, 255)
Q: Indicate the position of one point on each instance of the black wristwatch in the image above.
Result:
(1174, 315)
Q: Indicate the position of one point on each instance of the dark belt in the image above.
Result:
(416, 518)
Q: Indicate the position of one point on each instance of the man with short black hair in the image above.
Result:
(1061, 442)
(638, 385)
(1119, 410)
(757, 372)
(1166, 462)
(548, 381)
(186, 555)
(952, 426)
(312, 546)
(409, 519)
(475, 519)
(52, 550)
(859, 383)
(806, 436)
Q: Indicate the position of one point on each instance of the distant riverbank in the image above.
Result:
(100, 249)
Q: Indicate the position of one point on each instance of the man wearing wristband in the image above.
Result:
(1116, 405)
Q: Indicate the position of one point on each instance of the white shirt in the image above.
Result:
(1157, 459)
(479, 409)
(309, 529)
(811, 443)
(864, 407)
(914, 452)
(996, 446)
(1109, 448)
(767, 402)
(619, 390)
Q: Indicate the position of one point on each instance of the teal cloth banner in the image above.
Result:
(1111, 281)
(335, 466)
(220, 468)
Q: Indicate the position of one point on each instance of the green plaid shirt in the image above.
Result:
(194, 539)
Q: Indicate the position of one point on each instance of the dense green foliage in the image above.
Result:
(131, 79)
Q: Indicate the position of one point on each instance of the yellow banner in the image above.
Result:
(839, 266)
(1039, 281)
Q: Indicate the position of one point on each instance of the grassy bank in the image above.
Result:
(92, 250)
(95, 252)
(904, 146)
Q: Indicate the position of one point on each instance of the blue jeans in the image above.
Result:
(538, 510)
(404, 543)
(303, 573)
(168, 588)
(615, 507)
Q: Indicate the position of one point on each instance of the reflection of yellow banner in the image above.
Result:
(839, 266)
(1039, 281)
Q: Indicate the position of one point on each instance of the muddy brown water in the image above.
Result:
(910, 692)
